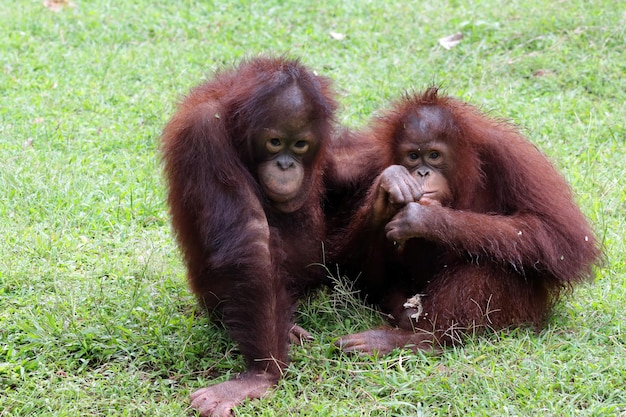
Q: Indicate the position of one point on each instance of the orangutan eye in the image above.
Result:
(274, 145)
(413, 156)
(300, 147)
(434, 155)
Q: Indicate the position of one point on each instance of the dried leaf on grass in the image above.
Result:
(337, 36)
(543, 73)
(451, 41)
(58, 5)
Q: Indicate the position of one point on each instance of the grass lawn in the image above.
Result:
(95, 315)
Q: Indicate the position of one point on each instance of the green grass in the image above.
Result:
(95, 314)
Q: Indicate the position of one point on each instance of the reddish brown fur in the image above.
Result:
(499, 254)
(244, 258)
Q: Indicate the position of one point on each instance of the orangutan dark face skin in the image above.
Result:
(422, 163)
(427, 158)
(284, 147)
